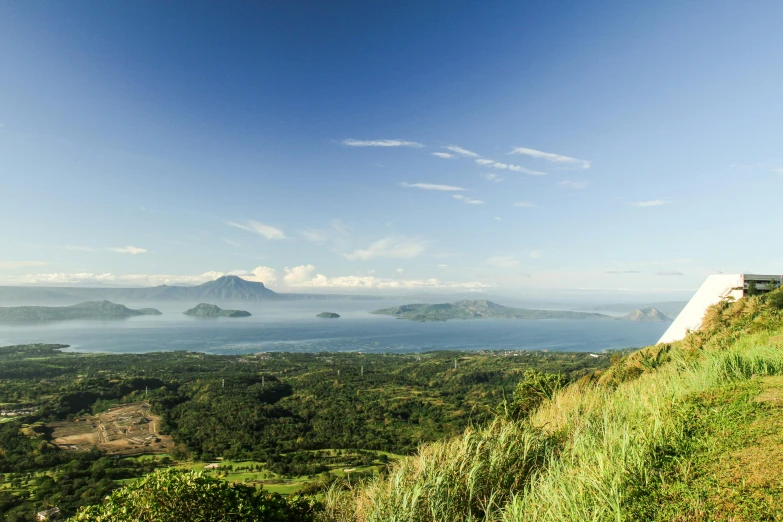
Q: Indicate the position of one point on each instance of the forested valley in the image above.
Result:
(285, 420)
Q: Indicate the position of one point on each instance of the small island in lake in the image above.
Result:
(647, 315)
(328, 315)
(480, 309)
(86, 310)
(210, 310)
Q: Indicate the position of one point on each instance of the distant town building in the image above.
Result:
(715, 289)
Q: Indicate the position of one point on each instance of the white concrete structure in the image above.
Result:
(716, 288)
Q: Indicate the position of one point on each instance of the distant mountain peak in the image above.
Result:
(231, 287)
(232, 280)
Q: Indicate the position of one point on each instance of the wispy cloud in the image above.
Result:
(576, 185)
(444, 155)
(524, 204)
(390, 248)
(498, 218)
(517, 168)
(484, 162)
(380, 143)
(337, 234)
(623, 272)
(650, 203)
(119, 250)
(491, 177)
(503, 261)
(535, 254)
(261, 229)
(321, 281)
(20, 264)
(232, 243)
(315, 236)
(128, 250)
(462, 152)
(669, 273)
(552, 158)
(433, 186)
(469, 201)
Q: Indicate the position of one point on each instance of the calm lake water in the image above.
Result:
(293, 327)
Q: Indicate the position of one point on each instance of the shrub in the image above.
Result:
(533, 390)
(187, 496)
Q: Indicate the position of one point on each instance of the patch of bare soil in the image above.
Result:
(130, 429)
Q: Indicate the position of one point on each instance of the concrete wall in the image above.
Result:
(715, 288)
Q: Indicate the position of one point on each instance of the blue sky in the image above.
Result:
(614, 149)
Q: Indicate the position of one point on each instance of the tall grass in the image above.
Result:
(582, 454)
(614, 435)
(466, 478)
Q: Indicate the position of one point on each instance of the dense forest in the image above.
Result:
(284, 410)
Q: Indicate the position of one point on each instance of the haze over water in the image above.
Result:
(293, 327)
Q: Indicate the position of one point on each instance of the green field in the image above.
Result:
(235, 471)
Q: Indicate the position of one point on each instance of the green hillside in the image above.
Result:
(87, 310)
(480, 309)
(688, 431)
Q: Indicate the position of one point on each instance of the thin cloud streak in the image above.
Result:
(267, 231)
(552, 158)
(462, 152)
(669, 273)
(432, 186)
(381, 143)
(118, 250)
(444, 155)
(485, 162)
(576, 185)
(132, 250)
(491, 177)
(469, 201)
(651, 203)
(389, 248)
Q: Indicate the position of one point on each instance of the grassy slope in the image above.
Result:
(681, 432)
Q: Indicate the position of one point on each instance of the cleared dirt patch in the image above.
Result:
(123, 430)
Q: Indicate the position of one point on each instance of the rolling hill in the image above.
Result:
(86, 310)
(210, 310)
